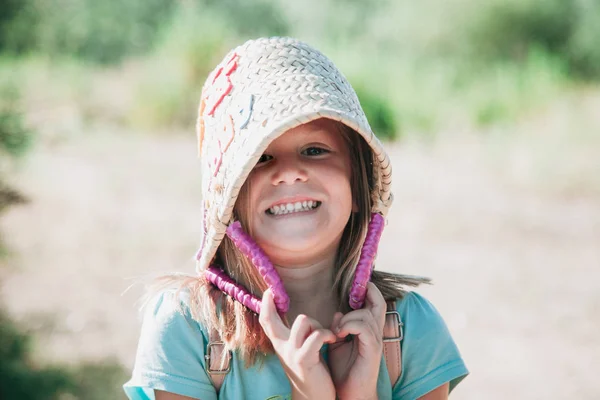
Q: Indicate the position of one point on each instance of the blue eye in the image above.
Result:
(314, 151)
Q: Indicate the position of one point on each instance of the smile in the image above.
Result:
(289, 208)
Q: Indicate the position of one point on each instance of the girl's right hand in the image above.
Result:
(298, 349)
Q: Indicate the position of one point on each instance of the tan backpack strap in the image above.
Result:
(213, 354)
(392, 335)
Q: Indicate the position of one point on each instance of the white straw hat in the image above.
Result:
(260, 90)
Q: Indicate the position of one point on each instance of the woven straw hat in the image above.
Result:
(259, 91)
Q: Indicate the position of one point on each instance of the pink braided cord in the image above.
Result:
(254, 253)
(220, 279)
(358, 292)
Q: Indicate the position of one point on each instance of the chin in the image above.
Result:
(299, 252)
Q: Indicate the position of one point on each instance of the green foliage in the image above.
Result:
(422, 65)
(110, 30)
(508, 30)
(170, 80)
(247, 18)
(15, 137)
(15, 140)
(379, 113)
(21, 378)
(194, 41)
(502, 93)
(10, 8)
(584, 51)
(98, 381)
(99, 31)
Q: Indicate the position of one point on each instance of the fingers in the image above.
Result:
(369, 339)
(301, 328)
(270, 320)
(368, 322)
(312, 345)
(376, 304)
(363, 319)
(337, 317)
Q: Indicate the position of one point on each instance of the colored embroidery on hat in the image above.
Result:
(228, 133)
(221, 89)
(243, 111)
(216, 164)
(231, 64)
(221, 85)
(223, 142)
(212, 97)
(218, 188)
(201, 125)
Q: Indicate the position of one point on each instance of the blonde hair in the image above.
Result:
(238, 326)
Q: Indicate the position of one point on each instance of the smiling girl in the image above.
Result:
(285, 302)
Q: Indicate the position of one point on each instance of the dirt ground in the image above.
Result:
(508, 226)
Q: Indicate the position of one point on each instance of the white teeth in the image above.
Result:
(283, 209)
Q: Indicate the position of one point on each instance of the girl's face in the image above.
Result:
(299, 194)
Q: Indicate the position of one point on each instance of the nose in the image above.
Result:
(288, 170)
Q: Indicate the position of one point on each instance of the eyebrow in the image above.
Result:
(320, 132)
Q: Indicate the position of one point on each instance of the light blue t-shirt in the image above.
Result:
(170, 357)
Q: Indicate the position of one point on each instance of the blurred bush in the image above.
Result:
(15, 137)
(511, 29)
(167, 90)
(19, 378)
(380, 114)
(506, 90)
(15, 140)
(98, 31)
(22, 378)
(420, 65)
(110, 30)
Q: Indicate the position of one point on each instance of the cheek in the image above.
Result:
(336, 180)
(339, 174)
(255, 183)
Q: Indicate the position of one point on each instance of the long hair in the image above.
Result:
(238, 326)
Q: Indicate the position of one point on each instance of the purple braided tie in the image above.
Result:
(254, 253)
(358, 292)
(220, 279)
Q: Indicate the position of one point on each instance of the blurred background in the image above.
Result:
(490, 110)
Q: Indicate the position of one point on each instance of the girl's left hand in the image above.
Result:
(354, 364)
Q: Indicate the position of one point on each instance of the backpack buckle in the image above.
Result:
(207, 357)
(394, 317)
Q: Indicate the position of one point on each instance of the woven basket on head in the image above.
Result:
(260, 90)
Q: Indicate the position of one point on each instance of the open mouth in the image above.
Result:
(289, 208)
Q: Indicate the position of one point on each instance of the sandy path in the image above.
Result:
(516, 269)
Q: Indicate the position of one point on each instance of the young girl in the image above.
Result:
(285, 303)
